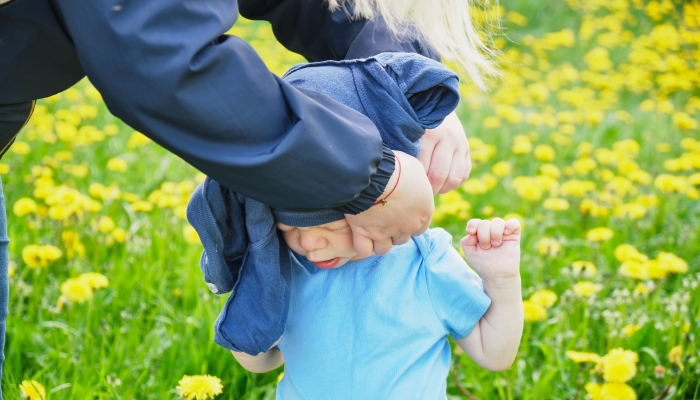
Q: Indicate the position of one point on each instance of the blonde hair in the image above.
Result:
(445, 24)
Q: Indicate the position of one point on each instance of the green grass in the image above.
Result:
(153, 324)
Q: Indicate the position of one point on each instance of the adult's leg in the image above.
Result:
(4, 285)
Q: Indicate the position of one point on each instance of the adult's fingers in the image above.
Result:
(363, 245)
(456, 177)
(427, 146)
(382, 246)
(440, 165)
(467, 165)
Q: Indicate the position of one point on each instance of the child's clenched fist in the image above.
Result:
(492, 248)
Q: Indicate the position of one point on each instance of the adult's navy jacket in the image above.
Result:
(166, 68)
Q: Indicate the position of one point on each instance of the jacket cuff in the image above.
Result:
(376, 186)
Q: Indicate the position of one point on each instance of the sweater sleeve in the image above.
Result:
(309, 28)
(167, 69)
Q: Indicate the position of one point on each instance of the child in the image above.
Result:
(375, 328)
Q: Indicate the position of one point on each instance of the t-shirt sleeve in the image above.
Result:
(456, 291)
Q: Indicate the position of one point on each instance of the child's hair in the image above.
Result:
(445, 24)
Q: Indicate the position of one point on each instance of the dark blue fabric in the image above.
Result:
(402, 93)
(4, 280)
(242, 252)
(12, 119)
(166, 68)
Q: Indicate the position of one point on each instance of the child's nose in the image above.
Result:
(310, 241)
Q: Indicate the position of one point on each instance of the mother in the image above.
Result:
(167, 69)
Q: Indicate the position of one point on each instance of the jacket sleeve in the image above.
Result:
(167, 69)
(308, 28)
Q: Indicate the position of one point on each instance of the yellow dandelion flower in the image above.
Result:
(583, 357)
(492, 122)
(617, 391)
(142, 205)
(627, 252)
(619, 365)
(521, 144)
(475, 186)
(24, 206)
(642, 288)
(137, 139)
(110, 129)
(684, 121)
(662, 147)
(656, 270)
(119, 234)
(106, 224)
(629, 330)
(280, 376)
(502, 168)
(634, 269)
(672, 263)
(191, 235)
(4, 168)
(586, 289)
(95, 280)
(587, 267)
(517, 18)
(593, 390)
(117, 164)
(20, 148)
(533, 312)
(548, 246)
(600, 234)
(675, 356)
(544, 153)
(36, 256)
(74, 247)
(544, 297)
(76, 290)
(199, 387)
(577, 188)
(32, 390)
(555, 204)
(670, 183)
(550, 170)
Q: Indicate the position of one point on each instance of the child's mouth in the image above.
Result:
(326, 264)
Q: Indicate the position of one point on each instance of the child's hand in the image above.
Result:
(492, 248)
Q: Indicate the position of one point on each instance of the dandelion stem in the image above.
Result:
(579, 381)
(459, 386)
(665, 392)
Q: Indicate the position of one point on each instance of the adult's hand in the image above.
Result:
(407, 212)
(445, 155)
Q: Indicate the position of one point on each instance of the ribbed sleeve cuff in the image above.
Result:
(376, 186)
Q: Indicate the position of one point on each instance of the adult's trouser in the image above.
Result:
(4, 284)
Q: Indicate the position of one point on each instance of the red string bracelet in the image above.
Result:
(398, 178)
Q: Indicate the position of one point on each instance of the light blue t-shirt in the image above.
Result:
(376, 328)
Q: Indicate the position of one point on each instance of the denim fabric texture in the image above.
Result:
(403, 94)
(4, 284)
(243, 254)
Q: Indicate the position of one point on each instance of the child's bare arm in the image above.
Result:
(492, 248)
(263, 362)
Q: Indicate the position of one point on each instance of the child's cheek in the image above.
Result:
(292, 240)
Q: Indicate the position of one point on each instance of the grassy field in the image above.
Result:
(590, 137)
